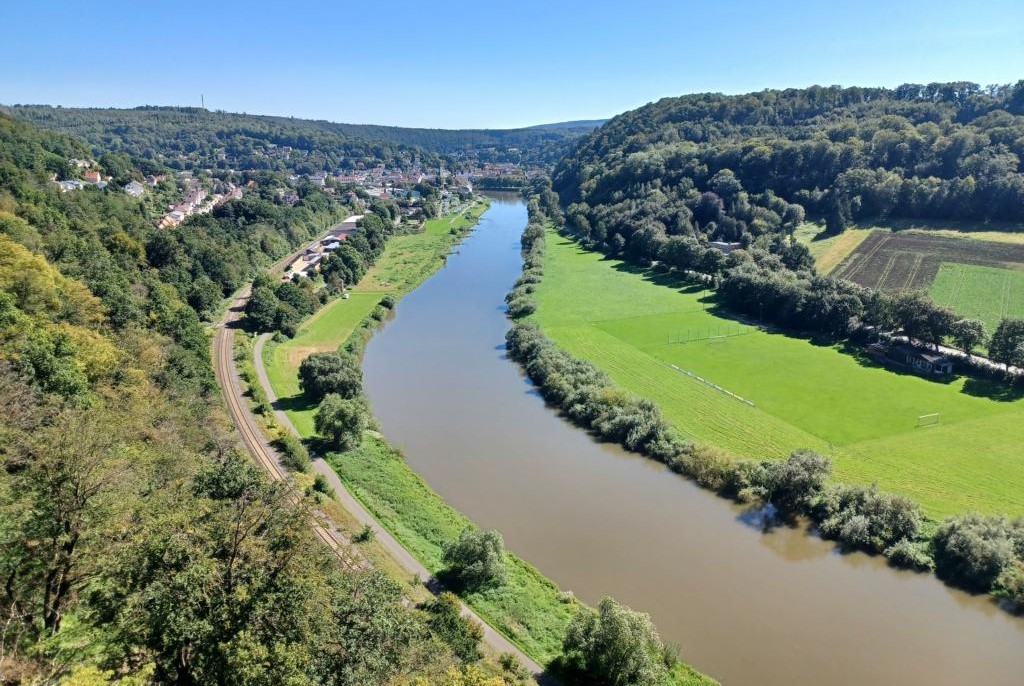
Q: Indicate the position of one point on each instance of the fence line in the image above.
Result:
(713, 385)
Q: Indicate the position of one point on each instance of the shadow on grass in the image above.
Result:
(993, 389)
(296, 403)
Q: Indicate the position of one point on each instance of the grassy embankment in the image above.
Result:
(807, 395)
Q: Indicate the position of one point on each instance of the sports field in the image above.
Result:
(805, 395)
(985, 293)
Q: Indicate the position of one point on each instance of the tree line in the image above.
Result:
(982, 553)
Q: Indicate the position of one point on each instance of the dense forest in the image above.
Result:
(661, 183)
(190, 137)
(137, 543)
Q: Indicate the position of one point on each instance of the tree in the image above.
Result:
(323, 373)
(614, 646)
(341, 421)
(261, 310)
(967, 334)
(1007, 341)
(476, 559)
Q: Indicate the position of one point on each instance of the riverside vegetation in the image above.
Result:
(978, 552)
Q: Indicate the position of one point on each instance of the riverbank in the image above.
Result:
(529, 609)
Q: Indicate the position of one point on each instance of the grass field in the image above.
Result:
(405, 262)
(806, 395)
(985, 293)
(829, 251)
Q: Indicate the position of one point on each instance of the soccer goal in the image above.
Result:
(717, 339)
(932, 419)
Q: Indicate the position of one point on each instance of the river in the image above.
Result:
(750, 608)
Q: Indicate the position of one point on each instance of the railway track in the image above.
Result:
(257, 444)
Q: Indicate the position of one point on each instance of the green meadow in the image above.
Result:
(985, 293)
(635, 325)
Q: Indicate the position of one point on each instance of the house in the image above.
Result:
(92, 176)
(134, 189)
(725, 246)
(923, 362)
(340, 231)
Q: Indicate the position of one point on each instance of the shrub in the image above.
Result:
(446, 621)
(793, 484)
(388, 301)
(341, 422)
(322, 486)
(974, 550)
(614, 645)
(706, 465)
(863, 517)
(364, 535)
(294, 455)
(323, 373)
(522, 307)
(476, 559)
(910, 555)
(1010, 584)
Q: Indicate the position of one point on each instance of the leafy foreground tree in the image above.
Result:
(341, 421)
(476, 560)
(323, 373)
(614, 646)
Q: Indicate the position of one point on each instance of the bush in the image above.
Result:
(614, 645)
(323, 373)
(388, 302)
(910, 555)
(447, 623)
(974, 550)
(322, 486)
(365, 535)
(793, 485)
(522, 307)
(476, 560)
(865, 518)
(294, 455)
(1010, 584)
(341, 422)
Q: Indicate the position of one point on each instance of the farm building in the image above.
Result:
(921, 361)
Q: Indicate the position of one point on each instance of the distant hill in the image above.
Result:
(184, 137)
(582, 124)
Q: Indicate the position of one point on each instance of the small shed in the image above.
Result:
(921, 361)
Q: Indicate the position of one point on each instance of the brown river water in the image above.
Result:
(782, 608)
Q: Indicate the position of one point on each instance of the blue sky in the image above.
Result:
(485, 64)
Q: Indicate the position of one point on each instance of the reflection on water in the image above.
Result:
(748, 602)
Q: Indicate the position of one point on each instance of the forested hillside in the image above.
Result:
(137, 544)
(187, 137)
(735, 167)
(662, 182)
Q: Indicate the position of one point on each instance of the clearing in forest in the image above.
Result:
(635, 325)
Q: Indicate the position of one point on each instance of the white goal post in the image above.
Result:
(929, 419)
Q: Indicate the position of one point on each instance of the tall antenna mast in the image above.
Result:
(202, 100)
